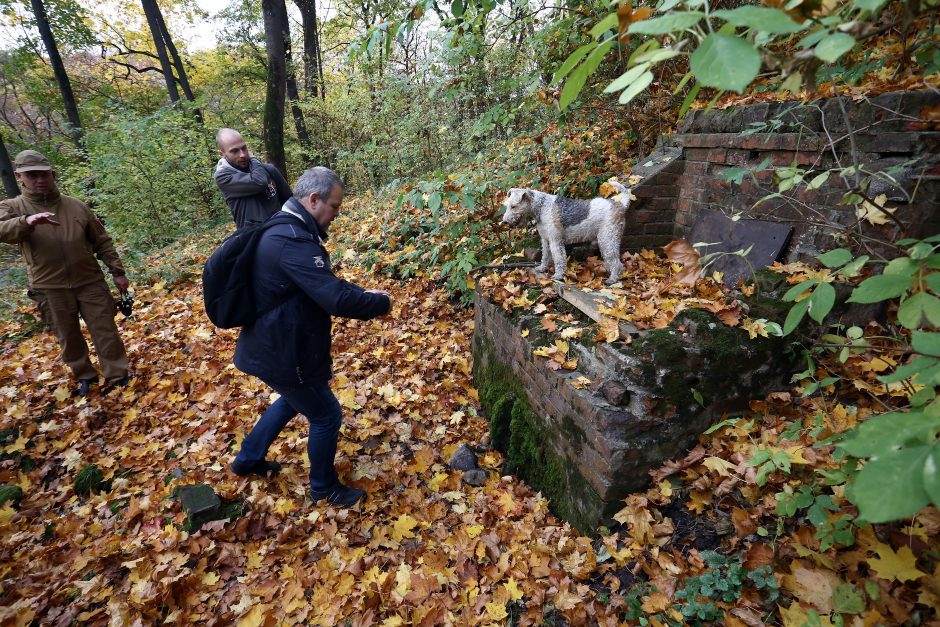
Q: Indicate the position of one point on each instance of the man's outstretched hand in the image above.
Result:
(46, 217)
(386, 294)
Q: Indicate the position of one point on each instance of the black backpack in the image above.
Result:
(227, 290)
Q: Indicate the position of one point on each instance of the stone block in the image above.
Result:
(201, 504)
(586, 450)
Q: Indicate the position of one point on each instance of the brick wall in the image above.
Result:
(882, 132)
(651, 220)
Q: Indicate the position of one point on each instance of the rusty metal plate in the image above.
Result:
(768, 241)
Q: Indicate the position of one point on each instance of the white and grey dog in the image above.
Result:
(563, 221)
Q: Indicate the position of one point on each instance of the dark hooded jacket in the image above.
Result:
(289, 345)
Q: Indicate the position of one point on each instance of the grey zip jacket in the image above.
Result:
(252, 195)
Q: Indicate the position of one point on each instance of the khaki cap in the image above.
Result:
(30, 160)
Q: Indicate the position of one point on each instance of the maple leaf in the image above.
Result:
(496, 611)
(19, 445)
(876, 212)
(813, 586)
(402, 527)
(895, 566)
(512, 589)
(254, 617)
(719, 465)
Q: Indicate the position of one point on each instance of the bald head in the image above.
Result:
(232, 147)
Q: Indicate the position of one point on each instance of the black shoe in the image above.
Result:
(263, 468)
(84, 385)
(122, 381)
(340, 495)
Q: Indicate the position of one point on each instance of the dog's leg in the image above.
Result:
(561, 259)
(546, 255)
(610, 252)
(609, 238)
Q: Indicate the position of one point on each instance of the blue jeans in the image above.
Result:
(318, 404)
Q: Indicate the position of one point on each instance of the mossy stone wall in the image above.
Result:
(586, 454)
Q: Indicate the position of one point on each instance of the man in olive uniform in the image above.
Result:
(60, 239)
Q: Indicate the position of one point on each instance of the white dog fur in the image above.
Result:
(563, 221)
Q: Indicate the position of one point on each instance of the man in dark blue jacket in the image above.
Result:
(288, 346)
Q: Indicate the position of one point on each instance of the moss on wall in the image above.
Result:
(517, 431)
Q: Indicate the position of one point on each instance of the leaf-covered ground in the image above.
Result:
(742, 531)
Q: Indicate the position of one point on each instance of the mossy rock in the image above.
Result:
(89, 479)
(10, 492)
(708, 360)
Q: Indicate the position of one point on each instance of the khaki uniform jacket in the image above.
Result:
(60, 256)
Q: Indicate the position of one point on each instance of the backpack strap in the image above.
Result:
(274, 221)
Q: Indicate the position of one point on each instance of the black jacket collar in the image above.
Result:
(312, 225)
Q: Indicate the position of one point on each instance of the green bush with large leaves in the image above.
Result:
(900, 449)
(153, 177)
(727, 48)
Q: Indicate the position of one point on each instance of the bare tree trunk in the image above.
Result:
(58, 68)
(275, 24)
(180, 69)
(298, 115)
(313, 61)
(154, 20)
(175, 58)
(6, 172)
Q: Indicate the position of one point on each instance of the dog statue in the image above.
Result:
(563, 221)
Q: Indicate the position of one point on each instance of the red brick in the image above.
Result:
(738, 157)
(696, 154)
(710, 140)
(695, 167)
(664, 205)
(658, 229)
(717, 155)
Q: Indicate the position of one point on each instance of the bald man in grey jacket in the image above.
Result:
(253, 190)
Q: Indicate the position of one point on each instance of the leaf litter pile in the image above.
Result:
(742, 531)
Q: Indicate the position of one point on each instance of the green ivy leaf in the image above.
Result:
(604, 25)
(847, 599)
(625, 79)
(795, 316)
(821, 302)
(918, 365)
(655, 56)
(933, 282)
(725, 62)
(835, 258)
(851, 269)
(904, 266)
(573, 59)
(834, 46)
(926, 343)
(869, 5)
(818, 181)
(887, 432)
(932, 474)
(918, 309)
(763, 19)
(639, 85)
(456, 8)
(891, 486)
(881, 287)
(575, 82)
(798, 289)
(689, 99)
(670, 23)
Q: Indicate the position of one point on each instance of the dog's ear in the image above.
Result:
(527, 194)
